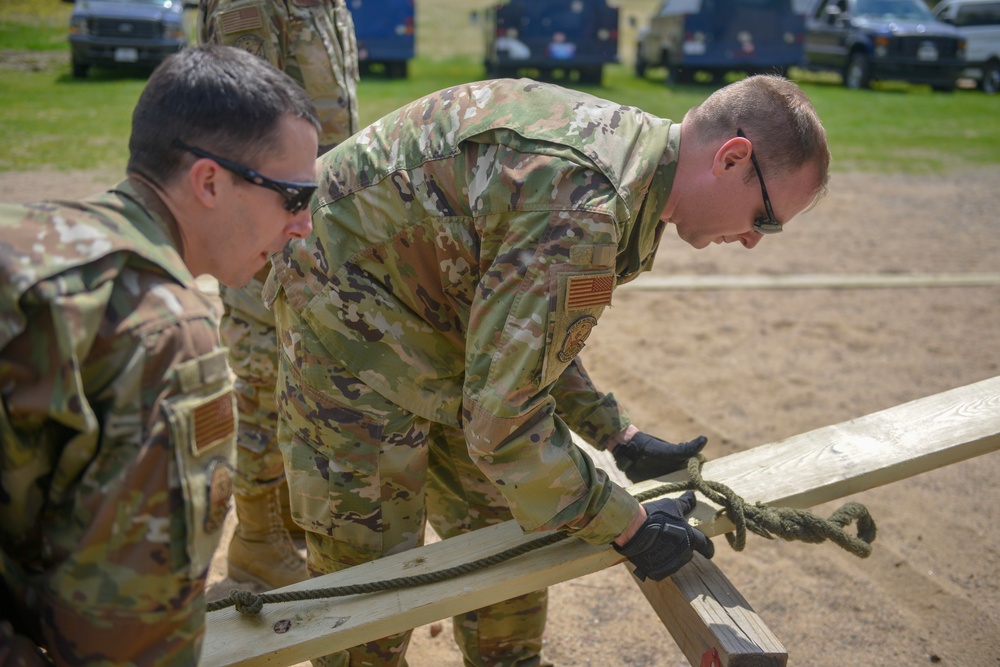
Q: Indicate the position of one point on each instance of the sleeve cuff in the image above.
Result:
(616, 515)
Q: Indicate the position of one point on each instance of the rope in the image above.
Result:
(768, 522)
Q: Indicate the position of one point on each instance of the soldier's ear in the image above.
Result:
(732, 154)
(207, 182)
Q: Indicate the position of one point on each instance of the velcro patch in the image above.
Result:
(576, 338)
(213, 423)
(218, 492)
(247, 18)
(589, 290)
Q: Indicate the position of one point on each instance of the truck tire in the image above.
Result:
(991, 78)
(80, 69)
(640, 65)
(858, 72)
(591, 76)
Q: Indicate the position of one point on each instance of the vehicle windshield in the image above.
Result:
(894, 9)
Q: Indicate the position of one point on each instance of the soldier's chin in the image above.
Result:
(242, 280)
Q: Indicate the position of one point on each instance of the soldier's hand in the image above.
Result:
(645, 456)
(665, 542)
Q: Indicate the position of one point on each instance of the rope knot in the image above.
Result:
(247, 603)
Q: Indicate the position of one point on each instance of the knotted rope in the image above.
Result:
(769, 522)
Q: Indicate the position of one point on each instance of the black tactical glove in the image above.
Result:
(665, 542)
(646, 456)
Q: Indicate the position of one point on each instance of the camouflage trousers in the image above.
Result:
(366, 475)
(247, 329)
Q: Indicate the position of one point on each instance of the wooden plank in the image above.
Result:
(812, 281)
(703, 610)
(700, 607)
(801, 471)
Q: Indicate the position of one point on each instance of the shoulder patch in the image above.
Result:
(589, 290)
(219, 489)
(213, 423)
(576, 337)
(252, 44)
(236, 20)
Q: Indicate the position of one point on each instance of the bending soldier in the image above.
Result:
(429, 331)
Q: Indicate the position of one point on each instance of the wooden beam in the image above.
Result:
(801, 471)
(700, 607)
(703, 610)
(812, 281)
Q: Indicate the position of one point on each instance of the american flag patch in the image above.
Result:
(589, 291)
(213, 422)
(236, 20)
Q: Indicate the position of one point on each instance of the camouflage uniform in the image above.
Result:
(313, 42)
(118, 432)
(463, 249)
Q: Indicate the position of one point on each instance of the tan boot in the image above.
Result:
(261, 550)
(293, 528)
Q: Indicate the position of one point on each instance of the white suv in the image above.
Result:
(979, 22)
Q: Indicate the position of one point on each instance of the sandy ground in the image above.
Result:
(751, 367)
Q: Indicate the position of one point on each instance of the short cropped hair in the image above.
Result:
(218, 98)
(776, 116)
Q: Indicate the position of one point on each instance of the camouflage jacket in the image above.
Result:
(463, 249)
(312, 41)
(117, 431)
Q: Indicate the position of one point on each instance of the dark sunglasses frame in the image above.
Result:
(296, 195)
(762, 224)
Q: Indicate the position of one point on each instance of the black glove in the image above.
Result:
(646, 456)
(665, 542)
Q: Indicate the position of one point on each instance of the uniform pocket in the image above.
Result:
(203, 429)
(331, 456)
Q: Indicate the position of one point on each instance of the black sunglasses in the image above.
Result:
(762, 224)
(297, 195)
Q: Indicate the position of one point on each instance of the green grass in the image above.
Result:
(50, 120)
(38, 37)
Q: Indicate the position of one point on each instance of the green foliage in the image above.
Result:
(50, 120)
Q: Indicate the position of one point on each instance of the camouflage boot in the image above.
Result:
(261, 550)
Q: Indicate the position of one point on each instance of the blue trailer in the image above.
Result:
(386, 32)
(550, 39)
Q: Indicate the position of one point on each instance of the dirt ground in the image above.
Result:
(751, 367)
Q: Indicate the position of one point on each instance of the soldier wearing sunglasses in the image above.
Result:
(312, 41)
(117, 410)
(465, 247)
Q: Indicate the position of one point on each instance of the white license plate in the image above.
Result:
(126, 55)
(927, 51)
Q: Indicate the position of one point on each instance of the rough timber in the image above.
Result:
(801, 471)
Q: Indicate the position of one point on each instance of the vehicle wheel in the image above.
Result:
(396, 69)
(640, 65)
(591, 76)
(679, 75)
(80, 69)
(858, 74)
(991, 78)
(506, 72)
